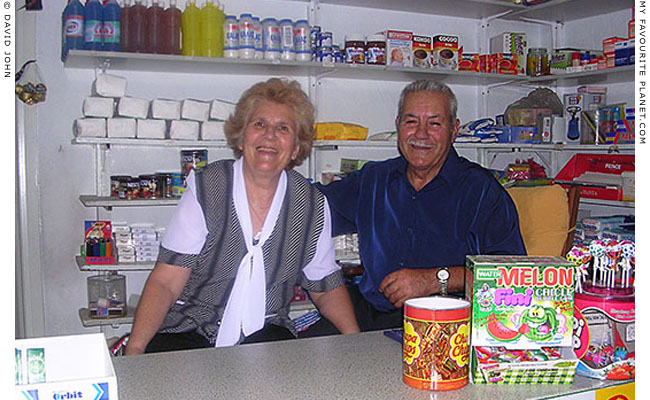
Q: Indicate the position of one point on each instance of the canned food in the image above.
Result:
(118, 184)
(165, 184)
(325, 39)
(177, 185)
(324, 54)
(149, 186)
(132, 188)
(193, 159)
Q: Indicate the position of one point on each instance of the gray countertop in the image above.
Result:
(361, 366)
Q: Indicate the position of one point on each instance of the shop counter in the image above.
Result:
(360, 366)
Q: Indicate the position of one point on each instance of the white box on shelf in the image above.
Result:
(213, 130)
(121, 127)
(151, 129)
(221, 109)
(107, 85)
(76, 366)
(90, 127)
(133, 107)
(185, 130)
(166, 109)
(195, 110)
(100, 107)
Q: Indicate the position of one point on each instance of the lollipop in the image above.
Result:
(612, 251)
(627, 253)
(577, 256)
(597, 250)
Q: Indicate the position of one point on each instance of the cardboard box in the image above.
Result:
(609, 43)
(605, 164)
(468, 61)
(422, 51)
(74, 367)
(520, 134)
(399, 48)
(513, 43)
(521, 302)
(445, 52)
(503, 63)
(96, 232)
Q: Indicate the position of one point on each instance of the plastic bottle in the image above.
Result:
(209, 42)
(221, 17)
(125, 26)
(93, 25)
(137, 27)
(259, 46)
(72, 28)
(191, 29)
(301, 40)
(271, 39)
(246, 36)
(230, 37)
(154, 32)
(171, 23)
(287, 52)
(112, 25)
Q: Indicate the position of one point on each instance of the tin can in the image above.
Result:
(193, 159)
(149, 186)
(118, 184)
(324, 54)
(165, 184)
(436, 343)
(325, 39)
(337, 54)
(132, 189)
(177, 185)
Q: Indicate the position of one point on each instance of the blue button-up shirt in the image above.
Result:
(462, 211)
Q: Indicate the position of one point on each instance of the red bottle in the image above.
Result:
(137, 27)
(153, 37)
(125, 25)
(171, 28)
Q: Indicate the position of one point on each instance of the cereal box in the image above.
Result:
(521, 302)
(422, 51)
(445, 52)
(399, 48)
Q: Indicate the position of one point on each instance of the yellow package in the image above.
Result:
(340, 131)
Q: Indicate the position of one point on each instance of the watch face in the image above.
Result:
(443, 274)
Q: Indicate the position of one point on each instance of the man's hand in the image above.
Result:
(405, 284)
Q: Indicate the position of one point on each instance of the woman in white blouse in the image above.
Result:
(244, 234)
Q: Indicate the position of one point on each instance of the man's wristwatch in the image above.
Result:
(443, 278)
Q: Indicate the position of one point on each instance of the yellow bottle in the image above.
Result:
(191, 29)
(209, 42)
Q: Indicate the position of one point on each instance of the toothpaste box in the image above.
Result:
(399, 47)
(520, 302)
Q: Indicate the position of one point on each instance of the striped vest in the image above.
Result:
(287, 251)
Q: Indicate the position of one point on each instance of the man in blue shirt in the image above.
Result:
(420, 212)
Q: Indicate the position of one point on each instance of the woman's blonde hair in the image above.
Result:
(281, 91)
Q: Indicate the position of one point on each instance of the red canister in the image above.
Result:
(436, 343)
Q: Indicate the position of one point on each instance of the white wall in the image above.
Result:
(65, 171)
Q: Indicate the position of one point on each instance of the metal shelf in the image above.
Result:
(334, 144)
(601, 76)
(607, 203)
(109, 202)
(137, 266)
(150, 142)
(89, 322)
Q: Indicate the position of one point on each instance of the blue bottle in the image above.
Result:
(93, 17)
(112, 26)
(72, 28)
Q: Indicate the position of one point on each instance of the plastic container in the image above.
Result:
(137, 27)
(376, 50)
(112, 22)
(230, 37)
(246, 37)
(355, 49)
(154, 36)
(259, 45)
(271, 38)
(287, 53)
(72, 22)
(302, 40)
(209, 37)
(125, 26)
(93, 25)
(171, 29)
(191, 29)
(106, 296)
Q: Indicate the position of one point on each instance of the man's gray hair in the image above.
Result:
(430, 87)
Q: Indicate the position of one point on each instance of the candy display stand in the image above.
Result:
(65, 367)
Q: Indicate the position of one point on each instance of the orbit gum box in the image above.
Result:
(520, 302)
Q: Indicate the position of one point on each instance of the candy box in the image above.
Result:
(98, 242)
(521, 302)
(498, 366)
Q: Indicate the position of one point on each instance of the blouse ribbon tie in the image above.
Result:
(245, 310)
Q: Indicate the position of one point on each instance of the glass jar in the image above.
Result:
(107, 296)
(537, 62)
